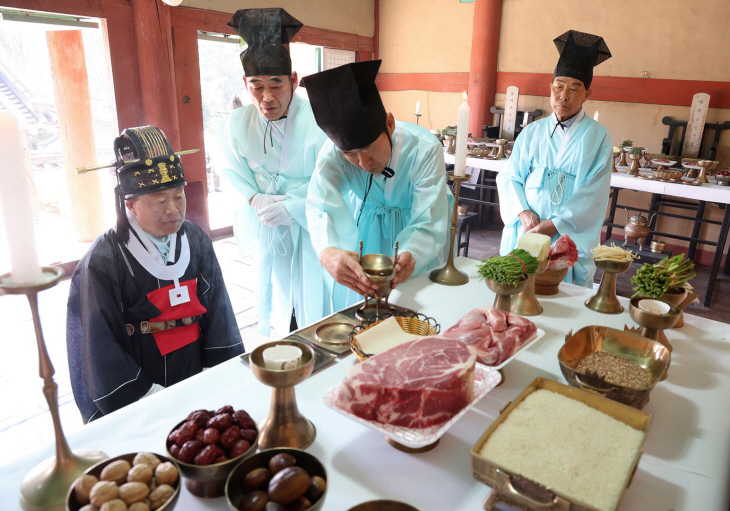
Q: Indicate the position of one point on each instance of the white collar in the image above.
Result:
(146, 253)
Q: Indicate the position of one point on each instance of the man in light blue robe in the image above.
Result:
(376, 180)
(558, 177)
(271, 148)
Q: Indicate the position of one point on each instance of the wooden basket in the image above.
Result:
(417, 325)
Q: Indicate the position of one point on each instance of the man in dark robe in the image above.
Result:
(148, 306)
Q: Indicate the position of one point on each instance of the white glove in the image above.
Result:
(261, 200)
(275, 214)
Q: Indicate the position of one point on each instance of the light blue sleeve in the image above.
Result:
(424, 236)
(331, 222)
(235, 167)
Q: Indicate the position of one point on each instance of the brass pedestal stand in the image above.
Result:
(285, 426)
(46, 485)
(449, 275)
(633, 169)
(505, 292)
(615, 156)
(702, 177)
(525, 303)
(605, 299)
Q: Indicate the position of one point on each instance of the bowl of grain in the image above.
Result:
(559, 447)
(619, 365)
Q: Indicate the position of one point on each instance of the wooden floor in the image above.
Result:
(485, 243)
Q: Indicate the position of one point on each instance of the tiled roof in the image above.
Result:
(16, 98)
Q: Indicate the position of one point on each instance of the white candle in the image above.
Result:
(525, 119)
(15, 199)
(418, 107)
(595, 116)
(462, 132)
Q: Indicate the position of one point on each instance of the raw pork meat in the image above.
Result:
(417, 384)
(496, 335)
(563, 253)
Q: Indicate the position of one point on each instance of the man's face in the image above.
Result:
(271, 95)
(159, 213)
(372, 158)
(567, 96)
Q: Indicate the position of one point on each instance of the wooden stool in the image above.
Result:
(464, 221)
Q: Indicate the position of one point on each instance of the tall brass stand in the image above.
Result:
(46, 485)
(449, 275)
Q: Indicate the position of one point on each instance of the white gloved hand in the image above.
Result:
(262, 200)
(275, 214)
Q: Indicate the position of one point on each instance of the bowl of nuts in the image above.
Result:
(281, 478)
(208, 444)
(135, 482)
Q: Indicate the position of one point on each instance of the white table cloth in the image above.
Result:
(685, 466)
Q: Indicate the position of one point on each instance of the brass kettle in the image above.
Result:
(637, 228)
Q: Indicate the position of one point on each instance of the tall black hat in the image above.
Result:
(579, 54)
(347, 105)
(265, 31)
(145, 163)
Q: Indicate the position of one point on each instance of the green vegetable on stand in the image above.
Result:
(508, 269)
(627, 143)
(656, 279)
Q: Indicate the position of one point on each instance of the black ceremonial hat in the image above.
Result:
(265, 31)
(152, 167)
(579, 54)
(347, 105)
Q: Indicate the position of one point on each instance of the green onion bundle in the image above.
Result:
(656, 279)
(508, 269)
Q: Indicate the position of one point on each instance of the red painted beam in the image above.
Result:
(653, 91)
(605, 88)
(117, 9)
(212, 21)
(433, 82)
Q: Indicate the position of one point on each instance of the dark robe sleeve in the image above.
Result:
(219, 334)
(104, 376)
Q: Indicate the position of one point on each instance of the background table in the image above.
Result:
(708, 192)
(685, 466)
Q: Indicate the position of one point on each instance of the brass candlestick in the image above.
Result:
(449, 275)
(505, 292)
(46, 485)
(615, 156)
(605, 299)
(284, 426)
(702, 177)
(525, 303)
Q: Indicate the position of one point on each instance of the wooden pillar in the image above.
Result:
(483, 67)
(73, 102)
(156, 67)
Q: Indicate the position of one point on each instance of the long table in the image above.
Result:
(708, 192)
(685, 466)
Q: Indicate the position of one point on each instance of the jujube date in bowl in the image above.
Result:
(208, 444)
(291, 478)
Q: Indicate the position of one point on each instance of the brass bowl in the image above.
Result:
(383, 505)
(234, 484)
(507, 289)
(207, 480)
(658, 246)
(652, 321)
(282, 378)
(613, 266)
(722, 180)
(95, 470)
(548, 282)
(644, 352)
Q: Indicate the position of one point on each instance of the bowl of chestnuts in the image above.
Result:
(208, 444)
(134, 482)
(278, 479)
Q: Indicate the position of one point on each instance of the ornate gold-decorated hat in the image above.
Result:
(154, 166)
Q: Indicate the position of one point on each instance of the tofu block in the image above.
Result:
(538, 245)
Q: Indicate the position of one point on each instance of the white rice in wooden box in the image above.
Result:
(568, 446)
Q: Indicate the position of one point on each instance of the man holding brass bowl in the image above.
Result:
(558, 177)
(376, 180)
